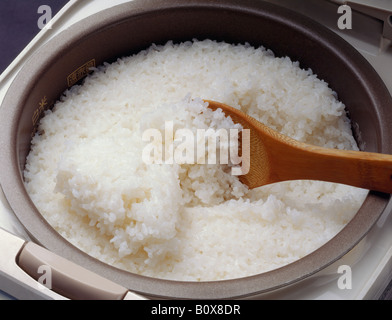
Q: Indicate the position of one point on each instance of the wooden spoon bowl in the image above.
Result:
(274, 157)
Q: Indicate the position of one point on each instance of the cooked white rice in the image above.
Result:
(86, 175)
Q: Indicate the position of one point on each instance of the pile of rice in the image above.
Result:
(194, 222)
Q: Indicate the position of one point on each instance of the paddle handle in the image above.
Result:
(356, 168)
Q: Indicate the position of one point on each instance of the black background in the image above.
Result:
(18, 25)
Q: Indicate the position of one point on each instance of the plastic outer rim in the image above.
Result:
(44, 234)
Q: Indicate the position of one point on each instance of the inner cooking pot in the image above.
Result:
(128, 28)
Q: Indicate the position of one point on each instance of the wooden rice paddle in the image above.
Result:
(275, 157)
